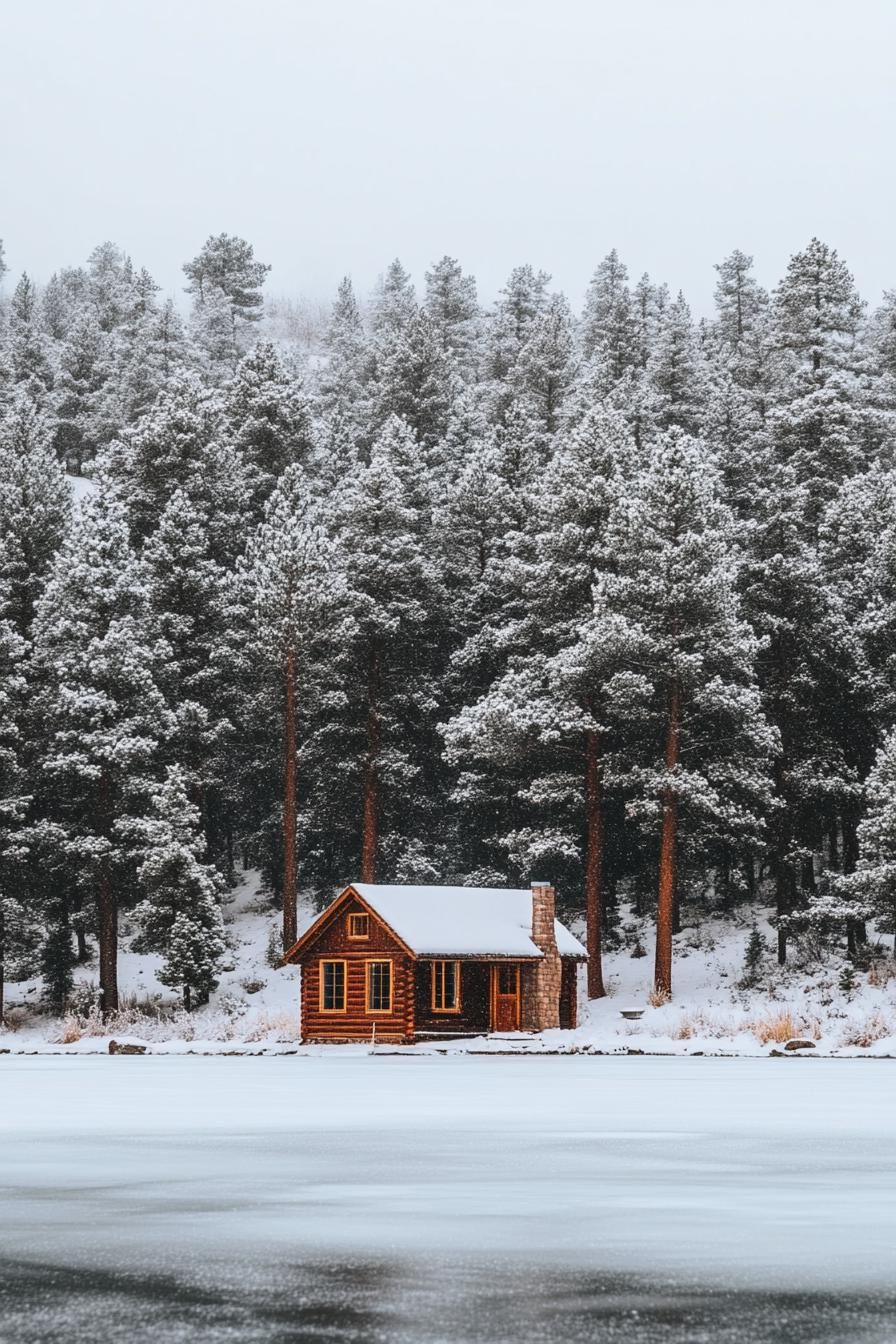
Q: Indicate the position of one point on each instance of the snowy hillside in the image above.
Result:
(255, 1008)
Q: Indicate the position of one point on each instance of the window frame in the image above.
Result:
(434, 1006)
(332, 961)
(358, 937)
(378, 961)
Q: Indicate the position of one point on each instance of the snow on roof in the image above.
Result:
(464, 921)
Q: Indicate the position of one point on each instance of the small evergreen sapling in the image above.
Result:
(180, 914)
(753, 957)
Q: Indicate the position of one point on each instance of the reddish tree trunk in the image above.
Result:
(290, 920)
(107, 930)
(668, 856)
(371, 776)
(107, 912)
(594, 865)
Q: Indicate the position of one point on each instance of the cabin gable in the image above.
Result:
(357, 976)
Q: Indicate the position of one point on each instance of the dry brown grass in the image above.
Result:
(658, 998)
(71, 1030)
(784, 1026)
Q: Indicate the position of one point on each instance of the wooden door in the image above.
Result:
(506, 997)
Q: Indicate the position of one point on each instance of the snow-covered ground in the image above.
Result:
(426, 1199)
(255, 1009)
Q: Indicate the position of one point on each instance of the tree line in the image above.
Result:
(464, 594)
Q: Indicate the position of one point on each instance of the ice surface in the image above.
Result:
(469, 921)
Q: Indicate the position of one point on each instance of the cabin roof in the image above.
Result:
(463, 921)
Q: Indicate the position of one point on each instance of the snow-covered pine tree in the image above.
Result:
(179, 917)
(182, 443)
(18, 924)
(676, 660)
(505, 332)
(269, 418)
(188, 601)
(292, 583)
(35, 508)
(609, 329)
(85, 402)
(341, 385)
(823, 419)
(452, 305)
(394, 302)
(414, 377)
(225, 282)
(27, 354)
(101, 716)
(871, 889)
(389, 670)
(675, 374)
(540, 722)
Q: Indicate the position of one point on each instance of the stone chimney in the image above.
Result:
(548, 972)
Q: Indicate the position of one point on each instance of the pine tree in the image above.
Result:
(823, 419)
(395, 301)
(675, 374)
(871, 889)
(179, 917)
(225, 282)
(269, 418)
(102, 717)
(452, 306)
(415, 378)
(84, 396)
(677, 664)
(291, 580)
(188, 603)
(18, 926)
(28, 357)
(381, 524)
(182, 444)
(540, 722)
(609, 329)
(35, 509)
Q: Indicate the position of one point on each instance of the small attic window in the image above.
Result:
(358, 926)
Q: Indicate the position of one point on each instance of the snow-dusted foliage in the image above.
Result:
(452, 593)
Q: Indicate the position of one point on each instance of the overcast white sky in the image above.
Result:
(336, 134)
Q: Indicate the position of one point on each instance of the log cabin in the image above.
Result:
(408, 963)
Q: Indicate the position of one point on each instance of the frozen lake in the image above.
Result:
(431, 1200)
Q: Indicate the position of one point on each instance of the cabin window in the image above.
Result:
(332, 986)
(446, 986)
(379, 986)
(358, 926)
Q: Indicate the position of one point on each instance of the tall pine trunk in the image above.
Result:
(594, 864)
(369, 839)
(107, 911)
(107, 931)
(665, 911)
(785, 880)
(856, 932)
(290, 916)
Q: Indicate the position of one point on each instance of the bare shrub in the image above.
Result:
(282, 1026)
(863, 1034)
(658, 998)
(881, 971)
